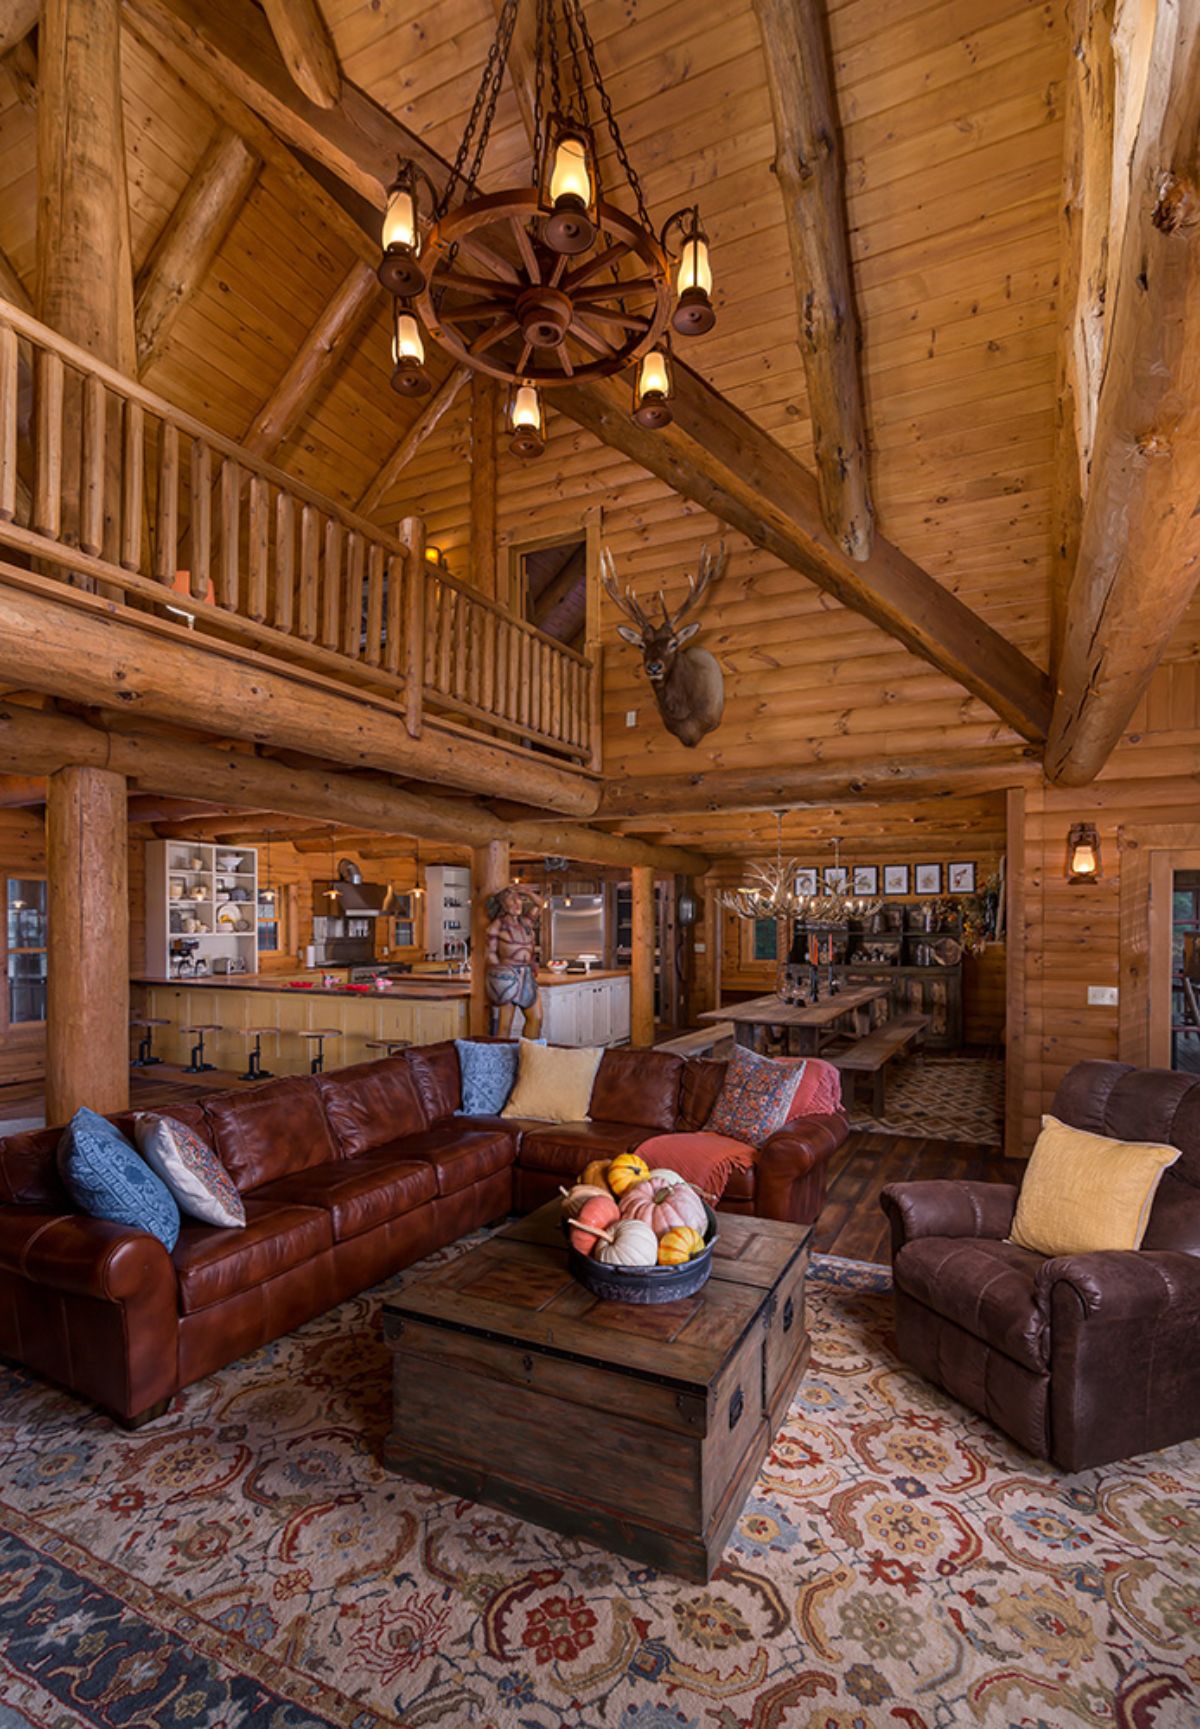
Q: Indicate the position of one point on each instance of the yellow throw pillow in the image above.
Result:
(554, 1083)
(1083, 1192)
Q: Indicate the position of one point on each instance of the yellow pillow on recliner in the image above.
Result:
(1083, 1192)
(554, 1082)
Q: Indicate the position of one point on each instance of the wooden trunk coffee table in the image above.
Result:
(640, 1428)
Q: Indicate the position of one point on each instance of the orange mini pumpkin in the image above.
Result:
(596, 1173)
(626, 1170)
(598, 1210)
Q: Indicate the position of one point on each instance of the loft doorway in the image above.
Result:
(552, 587)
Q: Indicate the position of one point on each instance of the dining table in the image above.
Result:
(806, 1026)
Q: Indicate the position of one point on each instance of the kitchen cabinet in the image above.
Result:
(447, 911)
(587, 1012)
(202, 908)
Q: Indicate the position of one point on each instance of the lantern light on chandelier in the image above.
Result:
(486, 276)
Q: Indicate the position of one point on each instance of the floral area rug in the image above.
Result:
(946, 1098)
(247, 1561)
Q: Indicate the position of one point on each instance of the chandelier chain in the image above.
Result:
(610, 119)
(540, 53)
(483, 113)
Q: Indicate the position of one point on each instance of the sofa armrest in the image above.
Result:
(1119, 1285)
(948, 1208)
(790, 1171)
(88, 1257)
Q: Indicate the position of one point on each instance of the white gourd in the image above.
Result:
(633, 1245)
(664, 1179)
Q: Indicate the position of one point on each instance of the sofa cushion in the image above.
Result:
(1082, 1193)
(371, 1104)
(202, 1187)
(106, 1177)
(266, 1132)
(458, 1153)
(358, 1194)
(637, 1086)
(554, 1082)
(986, 1287)
(436, 1072)
(215, 1264)
(488, 1069)
(565, 1148)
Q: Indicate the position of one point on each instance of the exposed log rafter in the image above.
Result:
(17, 19)
(1139, 540)
(307, 48)
(430, 418)
(810, 171)
(314, 362)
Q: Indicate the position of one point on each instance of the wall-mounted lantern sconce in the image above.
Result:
(1083, 854)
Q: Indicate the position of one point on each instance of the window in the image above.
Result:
(25, 944)
(268, 920)
(1185, 971)
(766, 940)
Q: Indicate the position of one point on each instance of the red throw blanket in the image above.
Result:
(704, 1160)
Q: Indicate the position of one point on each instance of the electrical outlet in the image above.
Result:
(631, 717)
(1103, 996)
(700, 948)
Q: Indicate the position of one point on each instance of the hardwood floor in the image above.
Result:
(851, 1225)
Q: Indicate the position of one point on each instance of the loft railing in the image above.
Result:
(113, 489)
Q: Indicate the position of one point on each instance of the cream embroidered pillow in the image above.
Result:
(554, 1083)
(1084, 1192)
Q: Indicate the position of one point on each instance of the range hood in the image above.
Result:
(354, 900)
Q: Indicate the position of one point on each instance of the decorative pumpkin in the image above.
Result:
(574, 1199)
(633, 1245)
(626, 1170)
(596, 1174)
(598, 1210)
(664, 1208)
(679, 1245)
(665, 1179)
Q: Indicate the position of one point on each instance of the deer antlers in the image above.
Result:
(711, 569)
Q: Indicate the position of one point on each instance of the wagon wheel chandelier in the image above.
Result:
(546, 285)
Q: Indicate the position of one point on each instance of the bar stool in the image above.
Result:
(198, 1066)
(317, 1065)
(255, 1071)
(391, 1046)
(146, 1058)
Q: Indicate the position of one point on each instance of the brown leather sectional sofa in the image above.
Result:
(346, 1178)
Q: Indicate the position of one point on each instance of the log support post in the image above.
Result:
(489, 874)
(642, 981)
(87, 1020)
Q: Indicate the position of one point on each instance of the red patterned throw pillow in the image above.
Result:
(190, 1169)
(755, 1097)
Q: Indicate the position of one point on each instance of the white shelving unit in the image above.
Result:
(447, 908)
(209, 894)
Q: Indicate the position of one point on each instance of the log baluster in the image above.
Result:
(331, 591)
(201, 518)
(48, 443)
(228, 531)
(94, 457)
(166, 516)
(258, 549)
(285, 561)
(445, 637)
(393, 622)
(310, 569)
(9, 371)
(412, 535)
(352, 596)
(133, 487)
(375, 569)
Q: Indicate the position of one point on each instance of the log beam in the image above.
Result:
(194, 233)
(87, 961)
(66, 643)
(819, 784)
(307, 48)
(41, 741)
(21, 64)
(713, 454)
(17, 19)
(314, 362)
(427, 422)
(809, 168)
(1139, 540)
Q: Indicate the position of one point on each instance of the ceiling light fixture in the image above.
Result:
(547, 284)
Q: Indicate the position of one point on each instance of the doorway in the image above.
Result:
(552, 588)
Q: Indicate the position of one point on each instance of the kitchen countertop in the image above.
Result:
(416, 986)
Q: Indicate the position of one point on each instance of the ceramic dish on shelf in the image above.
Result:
(229, 861)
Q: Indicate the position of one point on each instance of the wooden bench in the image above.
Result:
(871, 1054)
(701, 1043)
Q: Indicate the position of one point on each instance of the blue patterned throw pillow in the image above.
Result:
(489, 1073)
(755, 1097)
(105, 1177)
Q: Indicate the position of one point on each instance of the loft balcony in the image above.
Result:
(110, 494)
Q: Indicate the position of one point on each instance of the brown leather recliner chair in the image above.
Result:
(1082, 1359)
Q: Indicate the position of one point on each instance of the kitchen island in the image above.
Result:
(577, 1009)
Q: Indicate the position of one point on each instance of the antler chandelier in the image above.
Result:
(543, 286)
(770, 892)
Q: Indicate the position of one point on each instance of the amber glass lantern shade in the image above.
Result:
(652, 391)
(1083, 854)
(400, 269)
(409, 376)
(694, 313)
(569, 189)
(526, 422)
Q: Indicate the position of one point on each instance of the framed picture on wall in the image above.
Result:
(929, 879)
(866, 879)
(806, 881)
(837, 879)
(960, 879)
(895, 879)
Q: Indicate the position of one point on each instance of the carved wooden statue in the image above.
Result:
(688, 684)
(510, 960)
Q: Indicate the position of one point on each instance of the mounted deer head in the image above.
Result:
(688, 684)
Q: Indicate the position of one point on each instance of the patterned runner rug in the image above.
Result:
(247, 1561)
(946, 1098)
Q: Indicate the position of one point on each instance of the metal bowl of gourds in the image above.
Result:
(646, 1246)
